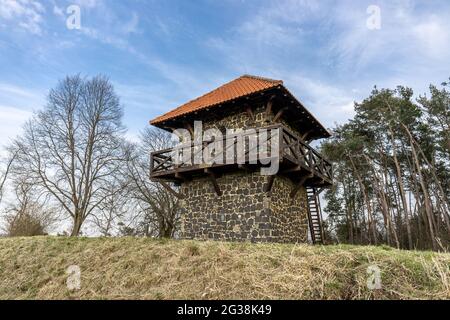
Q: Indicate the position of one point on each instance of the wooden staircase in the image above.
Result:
(314, 216)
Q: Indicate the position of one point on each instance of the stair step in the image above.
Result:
(314, 213)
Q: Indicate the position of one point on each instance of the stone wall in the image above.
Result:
(244, 212)
(242, 120)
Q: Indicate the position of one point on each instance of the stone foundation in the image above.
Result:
(244, 212)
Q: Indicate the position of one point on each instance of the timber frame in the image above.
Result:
(297, 160)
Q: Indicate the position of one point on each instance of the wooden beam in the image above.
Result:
(250, 113)
(213, 179)
(279, 114)
(182, 177)
(305, 135)
(189, 127)
(293, 169)
(243, 167)
(299, 185)
(269, 106)
(268, 186)
(168, 188)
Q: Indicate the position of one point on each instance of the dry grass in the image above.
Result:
(130, 268)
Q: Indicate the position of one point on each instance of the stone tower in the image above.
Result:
(245, 169)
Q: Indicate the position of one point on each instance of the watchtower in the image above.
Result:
(270, 195)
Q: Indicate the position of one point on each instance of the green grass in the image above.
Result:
(137, 268)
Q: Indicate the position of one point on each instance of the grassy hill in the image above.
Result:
(130, 268)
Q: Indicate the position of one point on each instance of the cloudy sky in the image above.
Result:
(160, 54)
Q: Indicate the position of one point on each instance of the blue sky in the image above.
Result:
(160, 54)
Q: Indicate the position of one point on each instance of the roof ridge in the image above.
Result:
(219, 87)
(261, 83)
(261, 78)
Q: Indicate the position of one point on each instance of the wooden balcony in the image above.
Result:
(297, 160)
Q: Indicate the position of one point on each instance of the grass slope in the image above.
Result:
(130, 268)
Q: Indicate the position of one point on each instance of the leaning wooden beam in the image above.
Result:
(293, 169)
(189, 127)
(168, 188)
(299, 185)
(305, 135)
(269, 106)
(269, 184)
(279, 114)
(250, 113)
(213, 179)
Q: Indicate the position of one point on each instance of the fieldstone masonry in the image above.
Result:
(244, 212)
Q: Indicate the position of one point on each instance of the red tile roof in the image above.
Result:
(239, 87)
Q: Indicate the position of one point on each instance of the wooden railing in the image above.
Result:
(292, 152)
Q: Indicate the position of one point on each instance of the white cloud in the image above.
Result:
(434, 36)
(88, 3)
(58, 11)
(26, 14)
(132, 25)
(11, 122)
(16, 107)
(328, 103)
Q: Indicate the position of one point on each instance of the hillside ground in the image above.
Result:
(139, 268)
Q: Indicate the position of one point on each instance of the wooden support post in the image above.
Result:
(189, 127)
(250, 113)
(299, 185)
(305, 135)
(268, 186)
(293, 169)
(269, 106)
(213, 179)
(279, 114)
(168, 188)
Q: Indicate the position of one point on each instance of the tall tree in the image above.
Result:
(73, 146)
(7, 161)
(392, 156)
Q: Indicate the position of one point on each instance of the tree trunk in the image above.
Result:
(77, 222)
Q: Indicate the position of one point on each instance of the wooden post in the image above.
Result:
(250, 113)
(269, 106)
(268, 186)
(279, 114)
(213, 179)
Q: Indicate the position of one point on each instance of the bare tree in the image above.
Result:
(113, 209)
(71, 147)
(29, 214)
(4, 175)
(158, 208)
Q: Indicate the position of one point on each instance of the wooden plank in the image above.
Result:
(213, 179)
